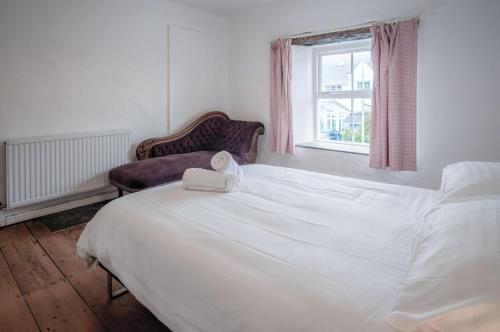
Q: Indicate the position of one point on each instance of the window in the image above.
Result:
(363, 85)
(333, 87)
(343, 86)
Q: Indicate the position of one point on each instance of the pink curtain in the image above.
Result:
(281, 140)
(393, 129)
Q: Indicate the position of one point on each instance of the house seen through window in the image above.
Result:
(343, 94)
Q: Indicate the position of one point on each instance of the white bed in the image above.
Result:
(290, 251)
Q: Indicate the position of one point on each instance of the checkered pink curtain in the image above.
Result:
(281, 140)
(393, 129)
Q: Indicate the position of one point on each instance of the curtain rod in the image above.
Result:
(359, 26)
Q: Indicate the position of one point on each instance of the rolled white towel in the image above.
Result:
(223, 162)
(204, 180)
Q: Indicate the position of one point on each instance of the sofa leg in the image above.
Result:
(120, 192)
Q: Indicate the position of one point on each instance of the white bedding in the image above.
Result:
(290, 251)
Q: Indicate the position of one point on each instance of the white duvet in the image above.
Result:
(290, 251)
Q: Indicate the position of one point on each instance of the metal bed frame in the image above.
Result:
(109, 278)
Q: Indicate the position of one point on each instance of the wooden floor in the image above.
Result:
(45, 286)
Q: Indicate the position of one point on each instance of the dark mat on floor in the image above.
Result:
(65, 219)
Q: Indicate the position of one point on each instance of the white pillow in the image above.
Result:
(469, 179)
(453, 281)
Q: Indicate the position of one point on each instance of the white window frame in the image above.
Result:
(318, 52)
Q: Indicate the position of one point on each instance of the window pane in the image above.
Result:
(336, 72)
(362, 120)
(363, 72)
(337, 123)
(334, 117)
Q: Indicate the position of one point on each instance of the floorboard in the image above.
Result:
(30, 266)
(122, 314)
(45, 286)
(15, 315)
(59, 308)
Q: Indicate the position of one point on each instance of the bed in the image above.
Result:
(289, 251)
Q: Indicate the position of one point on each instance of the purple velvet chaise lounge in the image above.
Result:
(164, 159)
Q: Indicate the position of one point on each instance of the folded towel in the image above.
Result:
(205, 180)
(223, 162)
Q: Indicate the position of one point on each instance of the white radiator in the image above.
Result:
(45, 168)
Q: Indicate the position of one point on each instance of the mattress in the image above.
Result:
(289, 251)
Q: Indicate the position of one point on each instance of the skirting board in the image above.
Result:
(15, 216)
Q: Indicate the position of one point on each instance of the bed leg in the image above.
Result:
(116, 294)
(120, 192)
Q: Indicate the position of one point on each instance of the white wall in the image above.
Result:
(195, 75)
(458, 79)
(73, 66)
(302, 92)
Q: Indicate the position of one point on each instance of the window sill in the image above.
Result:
(356, 149)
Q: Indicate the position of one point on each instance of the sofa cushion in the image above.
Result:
(155, 171)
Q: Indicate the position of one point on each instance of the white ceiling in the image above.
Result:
(227, 7)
